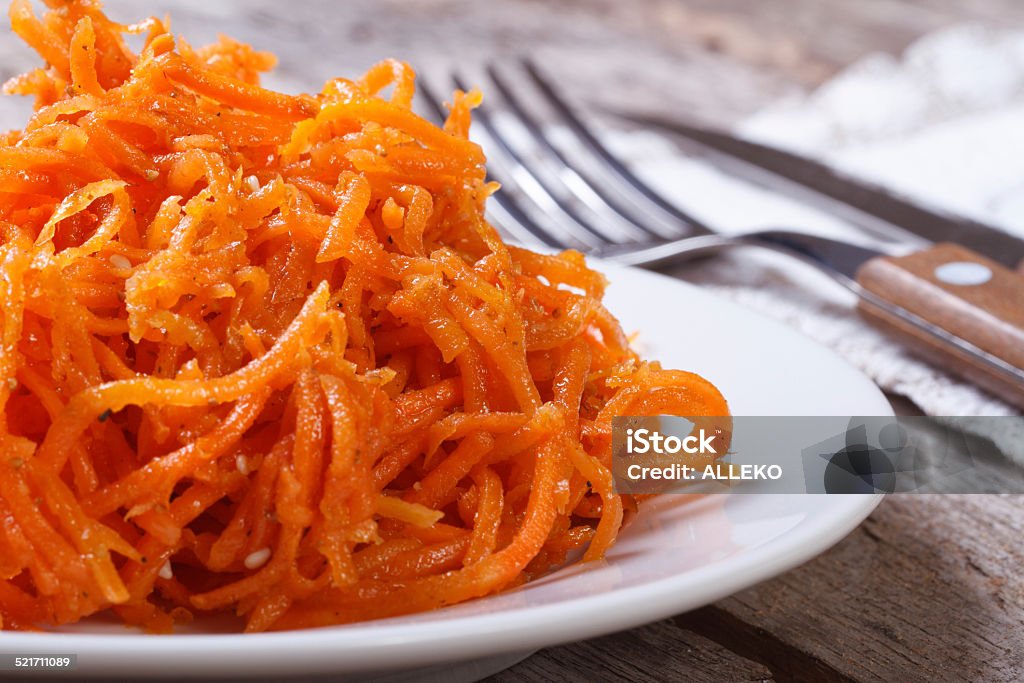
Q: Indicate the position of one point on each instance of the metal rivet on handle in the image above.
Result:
(963, 273)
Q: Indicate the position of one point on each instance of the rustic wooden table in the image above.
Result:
(929, 587)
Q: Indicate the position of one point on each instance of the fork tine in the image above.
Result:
(527, 180)
(505, 214)
(509, 216)
(582, 184)
(587, 136)
(427, 93)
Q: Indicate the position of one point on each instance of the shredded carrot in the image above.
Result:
(262, 354)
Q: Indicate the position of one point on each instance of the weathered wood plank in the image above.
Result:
(713, 59)
(929, 588)
(658, 652)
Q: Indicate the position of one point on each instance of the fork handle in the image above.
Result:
(966, 295)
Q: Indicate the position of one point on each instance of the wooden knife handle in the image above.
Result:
(964, 293)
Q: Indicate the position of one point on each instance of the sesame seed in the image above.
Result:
(257, 559)
(253, 182)
(242, 463)
(165, 571)
(120, 262)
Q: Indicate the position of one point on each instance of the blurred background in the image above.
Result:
(728, 63)
(715, 59)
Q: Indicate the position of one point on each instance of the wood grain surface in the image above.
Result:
(928, 588)
(664, 651)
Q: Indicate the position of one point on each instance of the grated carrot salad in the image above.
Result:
(262, 355)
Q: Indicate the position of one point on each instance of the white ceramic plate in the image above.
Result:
(677, 555)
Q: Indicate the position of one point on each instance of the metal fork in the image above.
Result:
(590, 200)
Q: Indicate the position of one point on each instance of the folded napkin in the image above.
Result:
(942, 124)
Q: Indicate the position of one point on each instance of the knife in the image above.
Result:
(875, 209)
(956, 302)
(955, 307)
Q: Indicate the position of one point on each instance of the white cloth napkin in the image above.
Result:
(943, 124)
